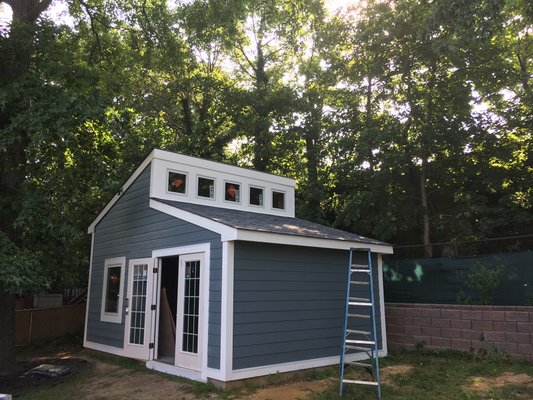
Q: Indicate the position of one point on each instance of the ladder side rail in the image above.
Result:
(345, 323)
(375, 355)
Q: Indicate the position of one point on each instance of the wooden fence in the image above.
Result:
(42, 323)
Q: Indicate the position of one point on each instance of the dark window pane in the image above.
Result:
(232, 192)
(278, 200)
(113, 289)
(206, 188)
(256, 196)
(177, 182)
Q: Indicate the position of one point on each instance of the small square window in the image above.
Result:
(206, 187)
(177, 182)
(256, 196)
(232, 192)
(278, 200)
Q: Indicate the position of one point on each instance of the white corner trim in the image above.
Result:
(295, 366)
(104, 348)
(384, 344)
(225, 231)
(226, 316)
(125, 187)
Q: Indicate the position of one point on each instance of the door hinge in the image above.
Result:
(156, 270)
(151, 346)
(153, 307)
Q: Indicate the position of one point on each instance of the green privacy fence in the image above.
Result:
(443, 280)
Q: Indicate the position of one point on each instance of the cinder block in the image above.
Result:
(511, 348)
(394, 311)
(482, 325)
(494, 336)
(413, 312)
(440, 323)
(450, 333)
(494, 315)
(395, 329)
(460, 324)
(471, 315)
(524, 327)
(460, 344)
(444, 343)
(505, 326)
(519, 316)
(421, 321)
(430, 331)
(450, 314)
(431, 313)
(525, 349)
(470, 335)
(413, 330)
(514, 337)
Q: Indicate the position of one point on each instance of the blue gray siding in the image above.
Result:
(288, 303)
(131, 229)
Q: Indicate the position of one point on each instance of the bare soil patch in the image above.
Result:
(388, 373)
(486, 384)
(291, 391)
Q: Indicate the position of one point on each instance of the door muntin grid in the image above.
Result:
(191, 307)
(138, 304)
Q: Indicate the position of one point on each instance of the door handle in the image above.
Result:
(126, 305)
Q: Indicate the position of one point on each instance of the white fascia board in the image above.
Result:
(128, 183)
(226, 232)
(294, 240)
(225, 168)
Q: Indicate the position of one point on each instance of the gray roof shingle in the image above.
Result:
(270, 223)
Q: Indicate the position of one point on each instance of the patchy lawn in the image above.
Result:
(405, 375)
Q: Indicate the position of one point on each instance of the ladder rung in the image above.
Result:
(359, 316)
(359, 270)
(359, 364)
(359, 283)
(355, 331)
(360, 299)
(359, 382)
(365, 349)
(359, 303)
(363, 342)
(360, 266)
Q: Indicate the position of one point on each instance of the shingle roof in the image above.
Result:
(270, 223)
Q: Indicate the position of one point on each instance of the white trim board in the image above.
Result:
(117, 351)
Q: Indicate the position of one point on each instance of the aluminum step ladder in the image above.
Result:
(359, 328)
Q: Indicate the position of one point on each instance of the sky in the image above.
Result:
(58, 10)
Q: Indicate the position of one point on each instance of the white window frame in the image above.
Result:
(214, 187)
(107, 316)
(186, 182)
(250, 197)
(240, 192)
(284, 193)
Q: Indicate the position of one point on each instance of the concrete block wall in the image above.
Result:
(461, 327)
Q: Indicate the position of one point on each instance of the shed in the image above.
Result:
(202, 270)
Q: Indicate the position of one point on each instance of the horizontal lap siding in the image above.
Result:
(288, 303)
(132, 229)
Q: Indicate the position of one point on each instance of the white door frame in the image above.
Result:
(143, 307)
(204, 248)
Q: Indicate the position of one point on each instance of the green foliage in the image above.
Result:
(484, 281)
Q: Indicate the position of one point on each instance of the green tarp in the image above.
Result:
(442, 280)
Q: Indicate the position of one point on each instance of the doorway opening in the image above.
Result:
(168, 304)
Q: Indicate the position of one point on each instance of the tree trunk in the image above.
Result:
(13, 158)
(426, 225)
(7, 334)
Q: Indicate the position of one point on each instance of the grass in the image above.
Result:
(447, 375)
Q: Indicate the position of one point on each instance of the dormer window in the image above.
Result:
(232, 192)
(177, 182)
(256, 196)
(278, 200)
(206, 187)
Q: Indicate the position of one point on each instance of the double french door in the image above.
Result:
(140, 331)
